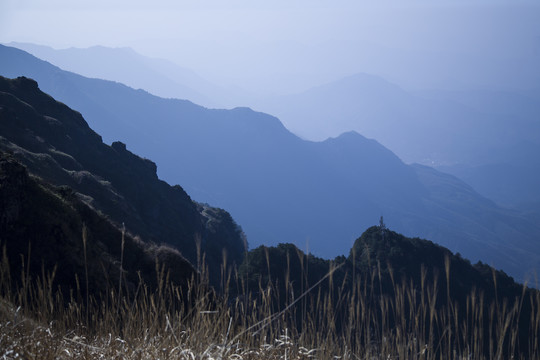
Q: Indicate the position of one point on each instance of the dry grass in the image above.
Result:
(196, 323)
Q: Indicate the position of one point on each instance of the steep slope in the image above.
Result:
(41, 230)
(283, 189)
(55, 143)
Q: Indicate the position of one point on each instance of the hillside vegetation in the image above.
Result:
(283, 304)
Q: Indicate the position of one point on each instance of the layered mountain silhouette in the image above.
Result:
(157, 76)
(62, 192)
(419, 126)
(56, 144)
(485, 137)
(510, 174)
(318, 195)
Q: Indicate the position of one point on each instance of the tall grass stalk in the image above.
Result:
(196, 322)
(122, 245)
(85, 238)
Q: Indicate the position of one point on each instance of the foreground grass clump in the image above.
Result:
(196, 322)
(170, 323)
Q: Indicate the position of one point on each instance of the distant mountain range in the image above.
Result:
(429, 127)
(485, 137)
(157, 76)
(281, 188)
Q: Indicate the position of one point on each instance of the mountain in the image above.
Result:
(56, 144)
(157, 76)
(511, 174)
(485, 137)
(386, 266)
(392, 254)
(419, 126)
(281, 188)
(42, 230)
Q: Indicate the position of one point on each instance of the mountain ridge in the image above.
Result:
(57, 144)
(283, 189)
(475, 134)
(157, 76)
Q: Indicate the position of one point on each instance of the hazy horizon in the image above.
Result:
(286, 47)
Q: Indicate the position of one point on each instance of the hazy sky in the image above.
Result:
(285, 46)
